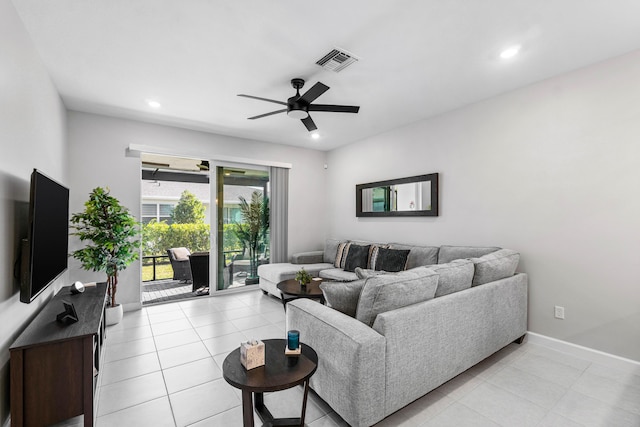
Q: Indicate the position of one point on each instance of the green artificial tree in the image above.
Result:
(111, 231)
(189, 209)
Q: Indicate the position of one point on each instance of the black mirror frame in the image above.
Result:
(432, 177)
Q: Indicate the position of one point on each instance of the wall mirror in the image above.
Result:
(412, 196)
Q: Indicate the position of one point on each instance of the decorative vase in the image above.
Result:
(113, 315)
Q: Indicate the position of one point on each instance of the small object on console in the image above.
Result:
(77, 288)
(69, 315)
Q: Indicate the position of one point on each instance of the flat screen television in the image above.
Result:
(44, 252)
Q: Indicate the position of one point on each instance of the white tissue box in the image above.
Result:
(252, 354)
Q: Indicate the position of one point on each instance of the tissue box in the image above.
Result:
(252, 354)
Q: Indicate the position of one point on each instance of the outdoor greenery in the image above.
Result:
(189, 230)
(157, 237)
(189, 210)
(110, 229)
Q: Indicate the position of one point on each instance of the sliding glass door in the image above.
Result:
(242, 217)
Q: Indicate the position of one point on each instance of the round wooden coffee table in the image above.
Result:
(291, 289)
(279, 372)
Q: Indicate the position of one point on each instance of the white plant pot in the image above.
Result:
(113, 315)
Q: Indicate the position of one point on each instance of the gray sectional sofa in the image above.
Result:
(385, 340)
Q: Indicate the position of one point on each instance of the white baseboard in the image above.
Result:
(595, 356)
(133, 306)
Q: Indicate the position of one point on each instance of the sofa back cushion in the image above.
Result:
(450, 253)
(418, 255)
(338, 275)
(342, 296)
(495, 266)
(391, 291)
(330, 250)
(454, 276)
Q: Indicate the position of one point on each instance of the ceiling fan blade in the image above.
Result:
(334, 108)
(315, 91)
(266, 114)
(308, 122)
(263, 99)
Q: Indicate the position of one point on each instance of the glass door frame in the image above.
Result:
(216, 268)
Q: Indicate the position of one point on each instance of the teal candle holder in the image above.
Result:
(293, 340)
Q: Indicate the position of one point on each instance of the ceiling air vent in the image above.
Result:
(337, 60)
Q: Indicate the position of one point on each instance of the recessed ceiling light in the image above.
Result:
(315, 135)
(510, 52)
(153, 104)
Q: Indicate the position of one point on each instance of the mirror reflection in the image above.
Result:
(413, 196)
(401, 197)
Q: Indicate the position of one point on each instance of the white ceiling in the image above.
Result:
(418, 58)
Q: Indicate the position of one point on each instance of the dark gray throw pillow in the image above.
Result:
(392, 260)
(357, 257)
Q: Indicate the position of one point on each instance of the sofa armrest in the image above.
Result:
(314, 257)
(351, 360)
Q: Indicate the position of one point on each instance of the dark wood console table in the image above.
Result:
(54, 367)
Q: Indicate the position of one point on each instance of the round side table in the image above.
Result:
(279, 372)
(291, 289)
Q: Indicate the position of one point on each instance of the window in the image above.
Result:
(158, 211)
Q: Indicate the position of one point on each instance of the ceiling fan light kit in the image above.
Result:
(298, 106)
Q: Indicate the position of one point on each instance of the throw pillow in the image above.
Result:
(342, 296)
(391, 260)
(495, 266)
(454, 276)
(392, 291)
(373, 253)
(419, 255)
(181, 254)
(356, 257)
(341, 254)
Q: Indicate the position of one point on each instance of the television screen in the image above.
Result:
(45, 254)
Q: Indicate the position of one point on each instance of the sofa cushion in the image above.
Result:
(358, 256)
(391, 291)
(342, 296)
(454, 276)
(495, 266)
(276, 273)
(419, 255)
(391, 260)
(365, 273)
(330, 249)
(450, 253)
(338, 274)
(307, 257)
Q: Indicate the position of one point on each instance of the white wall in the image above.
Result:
(32, 135)
(97, 158)
(551, 170)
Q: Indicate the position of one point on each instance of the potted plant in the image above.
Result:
(253, 231)
(110, 230)
(303, 277)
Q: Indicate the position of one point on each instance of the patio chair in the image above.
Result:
(179, 258)
(199, 262)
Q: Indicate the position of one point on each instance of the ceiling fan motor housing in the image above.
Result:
(297, 110)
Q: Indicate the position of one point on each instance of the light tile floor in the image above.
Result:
(162, 367)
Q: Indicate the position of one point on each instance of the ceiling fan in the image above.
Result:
(299, 106)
